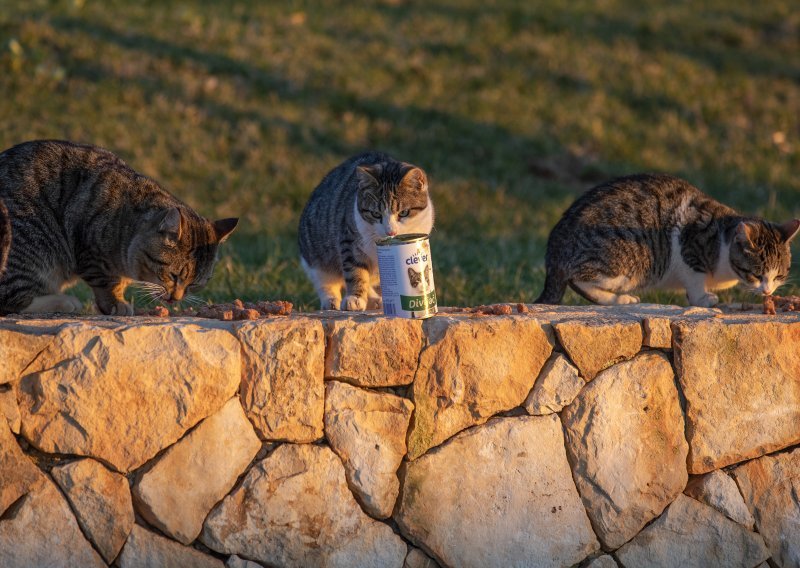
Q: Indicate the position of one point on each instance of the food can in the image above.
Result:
(406, 270)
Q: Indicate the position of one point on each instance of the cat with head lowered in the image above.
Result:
(78, 211)
(658, 231)
(363, 200)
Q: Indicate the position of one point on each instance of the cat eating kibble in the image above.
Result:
(658, 231)
(78, 211)
(367, 198)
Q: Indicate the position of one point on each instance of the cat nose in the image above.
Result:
(391, 232)
(177, 294)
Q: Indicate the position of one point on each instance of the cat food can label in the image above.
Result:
(406, 272)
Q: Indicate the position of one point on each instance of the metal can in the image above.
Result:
(406, 270)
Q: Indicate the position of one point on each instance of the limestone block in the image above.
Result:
(294, 509)
(657, 333)
(510, 499)
(282, 379)
(771, 489)
(18, 474)
(471, 370)
(373, 351)
(146, 549)
(558, 385)
(101, 500)
(625, 443)
(122, 395)
(717, 489)
(740, 383)
(10, 409)
(17, 350)
(418, 559)
(177, 492)
(690, 534)
(594, 345)
(367, 430)
(41, 531)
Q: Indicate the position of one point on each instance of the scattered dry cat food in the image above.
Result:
(490, 310)
(522, 309)
(238, 310)
(785, 303)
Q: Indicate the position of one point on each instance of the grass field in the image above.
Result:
(512, 107)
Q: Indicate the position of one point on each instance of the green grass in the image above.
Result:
(512, 107)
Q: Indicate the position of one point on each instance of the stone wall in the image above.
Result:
(642, 436)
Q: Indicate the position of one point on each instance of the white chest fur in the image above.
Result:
(679, 274)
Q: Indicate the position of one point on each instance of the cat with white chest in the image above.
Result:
(363, 200)
(658, 231)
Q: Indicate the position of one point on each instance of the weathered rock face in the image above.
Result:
(511, 501)
(17, 350)
(373, 352)
(176, 494)
(18, 474)
(101, 500)
(604, 561)
(657, 333)
(690, 534)
(471, 370)
(771, 489)
(740, 383)
(9, 408)
(145, 549)
(717, 489)
(596, 345)
(282, 378)
(294, 509)
(41, 531)
(234, 561)
(556, 387)
(123, 395)
(367, 430)
(626, 480)
(418, 559)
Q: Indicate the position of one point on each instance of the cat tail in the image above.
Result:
(555, 284)
(5, 237)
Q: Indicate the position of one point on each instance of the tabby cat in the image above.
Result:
(5, 237)
(365, 199)
(79, 211)
(658, 231)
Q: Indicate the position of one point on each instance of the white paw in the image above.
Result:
(627, 299)
(707, 300)
(76, 304)
(330, 303)
(353, 303)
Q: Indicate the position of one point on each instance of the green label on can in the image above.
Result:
(418, 303)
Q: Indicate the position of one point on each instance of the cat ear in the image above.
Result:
(170, 224)
(415, 178)
(412, 272)
(368, 175)
(789, 229)
(224, 227)
(744, 234)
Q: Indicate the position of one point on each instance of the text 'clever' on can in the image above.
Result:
(406, 272)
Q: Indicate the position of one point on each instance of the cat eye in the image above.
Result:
(404, 213)
(375, 215)
(173, 276)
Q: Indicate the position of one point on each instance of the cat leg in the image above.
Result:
(328, 286)
(374, 299)
(696, 293)
(357, 278)
(110, 299)
(54, 303)
(594, 293)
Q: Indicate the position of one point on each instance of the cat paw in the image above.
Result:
(330, 303)
(116, 309)
(353, 303)
(627, 299)
(707, 300)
